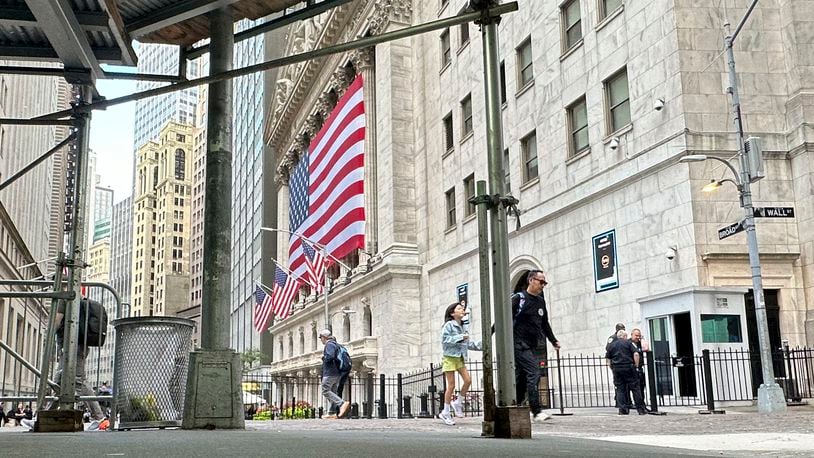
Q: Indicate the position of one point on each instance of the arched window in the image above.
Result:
(368, 321)
(141, 187)
(314, 338)
(302, 342)
(281, 348)
(346, 329)
(180, 164)
(290, 345)
(155, 177)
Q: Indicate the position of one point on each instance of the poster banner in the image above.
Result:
(606, 273)
(462, 293)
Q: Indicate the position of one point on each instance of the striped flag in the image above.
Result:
(262, 309)
(316, 265)
(285, 287)
(327, 202)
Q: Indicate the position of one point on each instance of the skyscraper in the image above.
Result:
(102, 212)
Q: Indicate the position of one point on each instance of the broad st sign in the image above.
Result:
(732, 229)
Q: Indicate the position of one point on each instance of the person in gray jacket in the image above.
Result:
(455, 342)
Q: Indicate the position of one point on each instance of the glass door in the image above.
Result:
(660, 345)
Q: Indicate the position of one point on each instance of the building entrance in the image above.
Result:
(685, 355)
(770, 296)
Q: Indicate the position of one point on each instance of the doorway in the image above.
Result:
(660, 337)
(770, 296)
(685, 355)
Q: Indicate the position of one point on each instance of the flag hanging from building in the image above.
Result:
(315, 264)
(285, 288)
(327, 202)
(262, 309)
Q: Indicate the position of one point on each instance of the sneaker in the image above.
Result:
(92, 425)
(458, 407)
(540, 417)
(343, 410)
(28, 423)
(446, 418)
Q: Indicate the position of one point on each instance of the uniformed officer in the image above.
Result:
(641, 347)
(613, 337)
(624, 359)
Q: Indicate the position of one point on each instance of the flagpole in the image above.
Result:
(328, 323)
(290, 273)
(322, 247)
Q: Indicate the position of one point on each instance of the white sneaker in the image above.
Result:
(458, 407)
(28, 423)
(540, 417)
(447, 418)
(92, 425)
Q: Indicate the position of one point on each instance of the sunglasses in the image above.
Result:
(541, 280)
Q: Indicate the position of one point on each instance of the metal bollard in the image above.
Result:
(707, 366)
(382, 401)
(369, 402)
(651, 383)
(354, 410)
(423, 413)
(399, 400)
(366, 409)
(313, 413)
(408, 410)
(320, 412)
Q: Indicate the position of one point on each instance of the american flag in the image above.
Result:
(315, 264)
(285, 287)
(262, 309)
(327, 202)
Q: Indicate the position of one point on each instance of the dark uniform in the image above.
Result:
(625, 377)
(640, 368)
(530, 324)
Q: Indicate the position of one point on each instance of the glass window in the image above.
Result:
(721, 329)
(571, 21)
(449, 134)
(618, 101)
(528, 145)
(469, 192)
(578, 126)
(466, 116)
(607, 7)
(446, 53)
(464, 33)
(450, 200)
(502, 82)
(525, 72)
(507, 172)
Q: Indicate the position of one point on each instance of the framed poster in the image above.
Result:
(606, 272)
(462, 293)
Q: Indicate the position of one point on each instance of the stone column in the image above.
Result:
(365, 62)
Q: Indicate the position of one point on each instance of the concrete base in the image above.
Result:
(771, 399)
(214, 394)
(487, 429)
(59, 421)
(512, 423)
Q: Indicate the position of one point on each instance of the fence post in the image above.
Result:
(382, 400)
(423, 413)
(651, 382)
(369, 410)
(399, 400)
(559, 385)
(708, 385)
(431, 390)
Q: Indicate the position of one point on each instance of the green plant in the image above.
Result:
(249, 357)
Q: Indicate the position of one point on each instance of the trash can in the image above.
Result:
(150, 371)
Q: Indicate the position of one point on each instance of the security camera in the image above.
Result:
(671, 253)
(614, 143)
(658, 105)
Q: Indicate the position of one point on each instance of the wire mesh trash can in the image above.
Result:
(150, 371)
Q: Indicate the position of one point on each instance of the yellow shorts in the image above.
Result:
(452, 363)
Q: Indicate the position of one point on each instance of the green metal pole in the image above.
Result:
(488, 425)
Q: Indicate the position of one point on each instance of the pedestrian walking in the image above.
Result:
(530, 323)
(623, 361)
(331, 373)
(455, 343)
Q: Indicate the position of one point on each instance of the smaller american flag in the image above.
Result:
(315, 264)
(285, 287)
(262, 309)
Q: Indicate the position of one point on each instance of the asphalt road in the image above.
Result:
(390, 443)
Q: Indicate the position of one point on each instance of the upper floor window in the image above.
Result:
(617, 101)
(180, 164)
(466, 116)
(464, 34)
(606, 7)
(449, 198)
(446, 52)
(507, 172)
(469, 192)
(525, 69)
(449, 134)
(578, 127)
(528, 147)
(571, 22)
(502, 82)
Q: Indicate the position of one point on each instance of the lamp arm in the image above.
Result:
(737, 180)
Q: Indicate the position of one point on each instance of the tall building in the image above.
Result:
(56, 223)
(102, 213)
(600, 101)
(161, 214)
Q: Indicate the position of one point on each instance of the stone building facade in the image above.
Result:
(601, 100)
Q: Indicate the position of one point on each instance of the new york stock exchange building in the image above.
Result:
(600, 101)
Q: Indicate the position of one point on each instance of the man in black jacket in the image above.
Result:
(530, 324)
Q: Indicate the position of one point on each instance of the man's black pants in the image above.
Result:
(527, 377)
(626, 380)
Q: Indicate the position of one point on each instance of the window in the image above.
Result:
(507, 172)
(180, 138)
(571, 23)
(464, 34)
(466, 116)
(502, 82)
(606, 7)
(721, 329)
(617, 100)
(578, 127)
(528, 145)
(449, 134)
(450, 200)
(446, 53)
(469, 192)
(525, 70)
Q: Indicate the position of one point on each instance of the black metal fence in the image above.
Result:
(567, 382)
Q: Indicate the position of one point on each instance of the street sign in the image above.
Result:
(606, 274)
(774, 212)
(732, 229)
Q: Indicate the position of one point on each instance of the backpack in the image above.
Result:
(96, 323)
(519, 305)
(343, 361)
